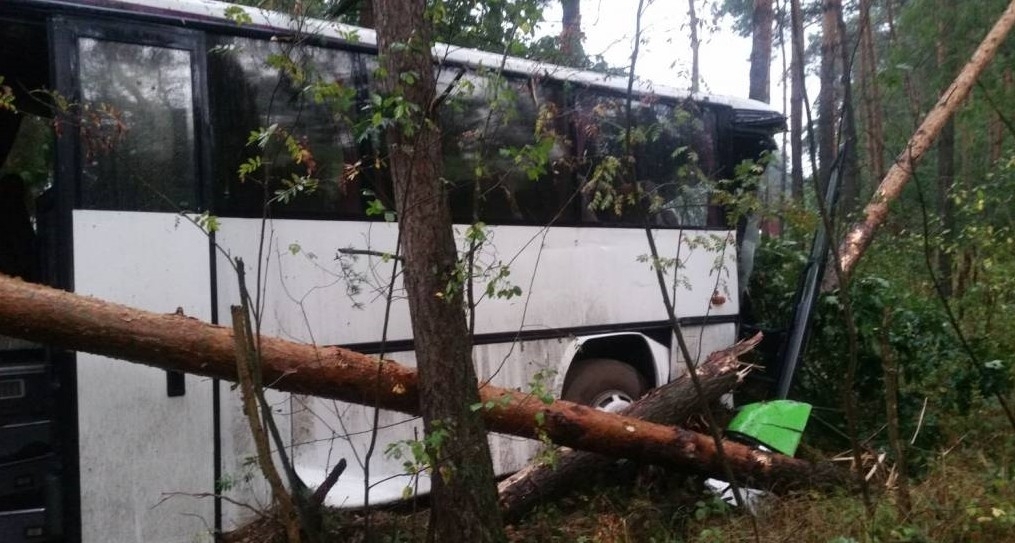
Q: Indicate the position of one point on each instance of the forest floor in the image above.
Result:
(963, 492)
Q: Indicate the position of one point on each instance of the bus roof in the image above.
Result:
(214, 11)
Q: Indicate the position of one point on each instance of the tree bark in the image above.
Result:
(571, 33)
(692, 23)
(850, 190)
(761, 51)
(670, 404)
(463, 491)
(998, 129)
(873, 119)
(861, 233)
(797, 101)
(828, 96)
(176, 342)
(945, 156)
(760, 88)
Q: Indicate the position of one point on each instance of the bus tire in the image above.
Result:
(604, 383)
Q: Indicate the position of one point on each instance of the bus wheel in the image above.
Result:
(606, 384)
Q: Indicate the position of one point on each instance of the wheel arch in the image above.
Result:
(646, 355)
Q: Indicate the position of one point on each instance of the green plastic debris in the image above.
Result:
(777, 425)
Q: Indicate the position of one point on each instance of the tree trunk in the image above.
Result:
(670, 404)
(571, 34)
(997, 127)
(871, 94)
(945, 209)
(463, 491)
(692, 24)
(761, 51)
(797, 101)
(861, 233)
(828, 99)
(945, 157)
(850, 189)
(760, 85)
(176, 342)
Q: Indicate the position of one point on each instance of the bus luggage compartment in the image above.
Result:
(22, 440)
(24, 389)
(23, 525)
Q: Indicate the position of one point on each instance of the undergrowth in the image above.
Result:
(966, 493)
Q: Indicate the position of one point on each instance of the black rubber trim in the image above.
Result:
(216, 393)
(650, 328)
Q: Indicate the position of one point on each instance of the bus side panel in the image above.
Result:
(310, 296)
(326, 431)
(702, 340)
(307, 296)
(601, 277)
(137, 445)
(311, 293)
(571, 278)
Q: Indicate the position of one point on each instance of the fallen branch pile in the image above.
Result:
(670, 404)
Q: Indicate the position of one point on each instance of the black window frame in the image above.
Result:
(220, 167)
(67, 66)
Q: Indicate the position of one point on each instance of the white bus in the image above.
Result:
(131, 120)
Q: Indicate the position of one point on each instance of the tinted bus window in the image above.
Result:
(303, 93)
(506, 150)
(663, 178)
(137, 127)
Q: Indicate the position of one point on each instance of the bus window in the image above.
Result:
(680, 161)
(505, 132)
(674, 157)
(137, 128)
(253, 86)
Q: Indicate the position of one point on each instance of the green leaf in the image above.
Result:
(249, 167)
(409, 78)
(209, 223)
(375, 207)
(238, 15)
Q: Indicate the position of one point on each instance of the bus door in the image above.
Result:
(34, 429)
(131, 132)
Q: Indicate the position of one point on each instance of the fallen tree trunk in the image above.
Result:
(669, 404)
(177, 342)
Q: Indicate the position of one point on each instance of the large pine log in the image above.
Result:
(180, 343)
(669, 404)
